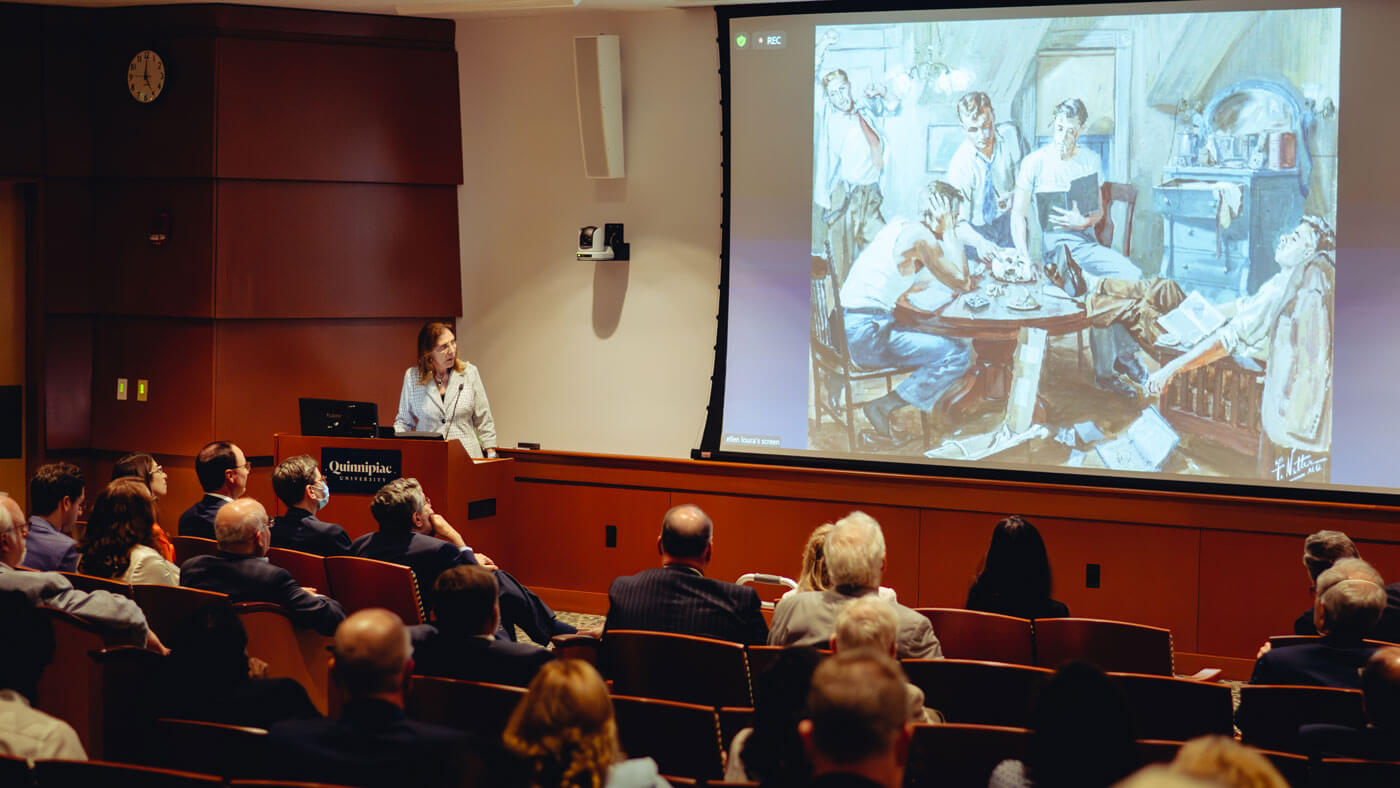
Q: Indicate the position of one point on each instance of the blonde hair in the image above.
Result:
(1227, 762)
(814, 576)
(564, 727)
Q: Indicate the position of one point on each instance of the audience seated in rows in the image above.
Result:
(1380, 739)
(1320, 551)
(298, 483)
(27, 732)
(462, 644)
(412, 534)
(119, 542)
(1226, 763)
(1350, 598)
(238, 569)
(857, 729)
(144, 467)
(1014, 579)
(869, 623)
(212, 678)
(678, 597)
(118, 615)
(564, 734)
(372, 743)
(222, 469)
(56, 497)
(814, 575)
(1081, 735)
(771, 752)
(855, 559)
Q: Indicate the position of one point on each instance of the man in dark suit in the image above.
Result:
(412, 534)
(1320, 551)
(1378, 741)
(463, 644)
(678, 597)
(300, 485)
(1350, 598)
(857, 729)
(373, 743)
(240, 570)
(223, 475)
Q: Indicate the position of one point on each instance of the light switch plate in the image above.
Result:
(143, 389)
(121, 389)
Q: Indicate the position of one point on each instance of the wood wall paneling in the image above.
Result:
(67, 277)
(264, 366)
(303, 250)
(337, 112)
(136, 277)
(295, 23)
(21, 56)
(177, 357)
(68, 370)
(1252, 586)
(171, 137)
(70, 54)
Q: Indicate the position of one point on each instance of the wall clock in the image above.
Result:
(145, 77)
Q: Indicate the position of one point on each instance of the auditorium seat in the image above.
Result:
(359, 583)
(971, 634)
(70, 687)
(87, 774)
(308, 569)
(683, 738)
(187, 547)
(279, 784)
(1269, 715)
(1296, 769)
(475, 706)
(299, 654)
(576, 646)
(15, 772)
(131, 683)
(954, 754)
(1115, 646)
(733, 719)
(167, 607)
(982, 693)
(1283, 641)
(761, 658)
(226, 750)
(1152, 751)
(683, 668)
(92, 583)
(1162, 707)
(1353, 773)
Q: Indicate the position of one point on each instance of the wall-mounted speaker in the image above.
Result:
(598, 79)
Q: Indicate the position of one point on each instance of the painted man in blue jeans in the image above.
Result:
(907, 256)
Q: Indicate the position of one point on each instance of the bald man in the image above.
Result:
(678, 597)
(373, 744)
(238, 569)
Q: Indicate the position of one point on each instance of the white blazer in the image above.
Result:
(148, 567)
(463, 414)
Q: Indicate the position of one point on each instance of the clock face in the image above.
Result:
(145, 77)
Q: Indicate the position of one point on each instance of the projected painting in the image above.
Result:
(1095, 242)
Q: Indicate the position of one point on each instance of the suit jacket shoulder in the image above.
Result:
(253, 579)
(299, 529)
(198, 520)
(479, 659)
(674, 599)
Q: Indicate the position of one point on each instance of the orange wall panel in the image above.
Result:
(68, 370)
(1252, 586)
(134, 277)
(176, 357)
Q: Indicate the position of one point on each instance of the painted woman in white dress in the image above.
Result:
(443, 394)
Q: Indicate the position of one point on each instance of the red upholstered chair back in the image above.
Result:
(954, 754)
(187, 547)
(359, 583)
(981, 693)
(91, 583)
(300, 654)
(167, 607)
(971, 634)
(70, 687)
(1176, 709)
(682, 668)
(1353, 773)
(15, 771)
(1111, 645)
(225, 750)
(87, 774)
(475, 706)
(1269, 715)
(308, 569)
(683, 738)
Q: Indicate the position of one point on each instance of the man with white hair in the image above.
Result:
(1320, 551)
(240, 570)
(869, 623)
(1350, 598)
(373, 743)
(855, 559)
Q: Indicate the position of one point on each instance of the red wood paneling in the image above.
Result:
(68, 72)
(337, 250)
(263, 366)
(67, 278)
(133, 277)
(68, 364)
(21, 134)
(176, 356)
(1252, 586)
(337, 112)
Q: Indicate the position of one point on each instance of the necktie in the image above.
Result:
(989, 195)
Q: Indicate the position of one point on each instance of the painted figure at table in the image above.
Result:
(983, 170)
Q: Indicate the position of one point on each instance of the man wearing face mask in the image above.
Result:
(300, 485)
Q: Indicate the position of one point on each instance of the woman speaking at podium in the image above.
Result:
(443, 394)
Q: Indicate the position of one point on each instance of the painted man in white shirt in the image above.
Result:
(983, 170)
(850, 157)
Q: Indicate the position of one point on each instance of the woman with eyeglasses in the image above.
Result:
(118, 543)
(443, 394)
(144, 467)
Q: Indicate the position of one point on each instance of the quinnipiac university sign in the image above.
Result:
(360, 470)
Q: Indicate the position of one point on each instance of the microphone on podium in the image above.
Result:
(452, 411)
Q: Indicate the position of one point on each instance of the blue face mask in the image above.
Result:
(325, 495)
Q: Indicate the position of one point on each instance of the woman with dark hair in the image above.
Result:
(144, 467)
(119, 543)
(442, 393)
(1014, 579)
(771, 753)
(1081, 735)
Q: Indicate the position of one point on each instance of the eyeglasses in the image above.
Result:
(23, 529)
(157, 469)
(246, 466)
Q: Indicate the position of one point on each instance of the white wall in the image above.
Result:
(597, 357)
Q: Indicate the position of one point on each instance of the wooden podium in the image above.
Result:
(475, 496)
